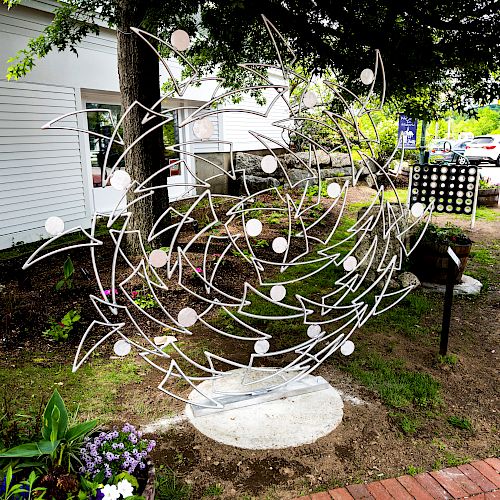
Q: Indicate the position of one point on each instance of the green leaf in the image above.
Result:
(80, 430)
(8, 478)
(125, 475)
(60, 284)
(62, 423)
(55, 417)
(68, 268)
(31, 450)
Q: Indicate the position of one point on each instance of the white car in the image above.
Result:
(484, 149)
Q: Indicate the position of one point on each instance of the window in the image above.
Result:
(103, 122)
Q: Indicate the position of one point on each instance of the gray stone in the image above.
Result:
(336, 172)
(366, 166)
(293, 161)
(297, 175)
(340, 160)
(249, 163)
(393, 246)
(408, 279)
(468, 286)
(256, 184)
(370, 181)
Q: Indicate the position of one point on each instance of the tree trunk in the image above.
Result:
(139, 74)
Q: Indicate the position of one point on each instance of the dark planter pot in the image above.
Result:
(430, 261)
(488, 197)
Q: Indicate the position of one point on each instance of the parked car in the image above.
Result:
(484, 149)
(439, 149)
(457, 154)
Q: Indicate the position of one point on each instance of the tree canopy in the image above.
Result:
(437, 55)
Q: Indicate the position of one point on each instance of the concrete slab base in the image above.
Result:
(282, 423)
(468, 286)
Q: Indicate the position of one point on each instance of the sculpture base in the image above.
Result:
(297, 414)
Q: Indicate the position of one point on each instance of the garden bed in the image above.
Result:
(405, 409)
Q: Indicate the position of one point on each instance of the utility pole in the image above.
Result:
(422, 155)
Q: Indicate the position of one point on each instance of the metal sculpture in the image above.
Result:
(304, 251)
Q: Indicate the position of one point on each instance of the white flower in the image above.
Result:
(125, 488)
(110, 492)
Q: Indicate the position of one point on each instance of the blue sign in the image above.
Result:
(407, 132)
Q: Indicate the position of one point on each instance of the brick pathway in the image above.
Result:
(479, 480)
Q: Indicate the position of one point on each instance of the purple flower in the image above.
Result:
(110, 456)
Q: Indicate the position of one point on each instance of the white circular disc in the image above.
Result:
(347, 348)
(180, 40)
(350, 263)
(278, 293)
(417, 209)
(367, 76)
(333, 190)
(187, 317)
(261, 346)
(203, 128)
(314, 331)
(268, 164)
(158, 258)
(280, 244)
(120, 180)
(253, 227)
(54, 225)
(281, 423)
(310, 99)
(122, 347)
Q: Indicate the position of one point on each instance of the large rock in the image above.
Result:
(249, 163)
(336, 172)
(256, 184)
(366, 166)
(294, 161)
(408, 279)
(340, 160)
(297, 175)
(381, 256)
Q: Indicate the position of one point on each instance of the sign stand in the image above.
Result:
(474, 205)
(453, 261)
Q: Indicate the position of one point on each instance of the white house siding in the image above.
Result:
(45, 173)
(211, 145)
(40, 170)
(235, 125)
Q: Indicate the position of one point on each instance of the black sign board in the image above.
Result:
(451, 187)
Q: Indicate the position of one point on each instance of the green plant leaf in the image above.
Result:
(59, 284)
(125, 475)
(80, 430)
(31, 450)
(62, 423)
(8, 478)
(55, 417)
(68, 268)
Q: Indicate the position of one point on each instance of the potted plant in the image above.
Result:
(118, 457)
(66, 463)
(429, 261)
(488, 192)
